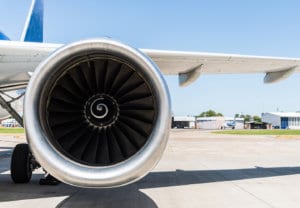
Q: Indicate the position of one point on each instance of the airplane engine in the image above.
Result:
(97, 114)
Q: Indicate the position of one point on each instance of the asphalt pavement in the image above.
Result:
(198, 169)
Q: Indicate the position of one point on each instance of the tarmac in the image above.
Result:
(198, 169)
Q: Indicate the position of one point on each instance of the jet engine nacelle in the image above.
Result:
(97, 114)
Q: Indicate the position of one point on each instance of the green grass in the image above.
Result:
(259, 132)
(11, 130)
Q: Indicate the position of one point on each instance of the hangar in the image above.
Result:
(219, 122)
(282, 120)
(186, 122)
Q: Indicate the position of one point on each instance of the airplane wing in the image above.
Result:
(190, 65)
(18, 59)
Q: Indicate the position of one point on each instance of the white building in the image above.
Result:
(218, 122)
(282, 120)
(183, 122)
(10, 122)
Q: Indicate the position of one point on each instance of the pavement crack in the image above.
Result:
(245, 190)
(253, 195)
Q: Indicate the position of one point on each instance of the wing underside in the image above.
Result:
(190, 65)
(19, 58)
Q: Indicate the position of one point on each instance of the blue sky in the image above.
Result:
(254, 27)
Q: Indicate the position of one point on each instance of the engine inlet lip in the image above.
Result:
(82, 175)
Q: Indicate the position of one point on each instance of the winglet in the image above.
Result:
(33, 30)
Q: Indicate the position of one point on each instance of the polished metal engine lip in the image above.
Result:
(82, 175)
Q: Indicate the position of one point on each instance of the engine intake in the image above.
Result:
(97, 114)
(100, 110)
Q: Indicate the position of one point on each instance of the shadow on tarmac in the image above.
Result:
(130, 195)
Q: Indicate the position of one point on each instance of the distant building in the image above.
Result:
(10, 122)
(187, 122)
(257, 125)
(219, 122)
(282, 120)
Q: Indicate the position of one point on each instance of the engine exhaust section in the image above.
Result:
(97, 114)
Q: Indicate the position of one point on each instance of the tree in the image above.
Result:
(257, 119)
(246, 118)
(219, 114)
(210, 113)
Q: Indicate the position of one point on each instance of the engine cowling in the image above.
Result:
(97, 114)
